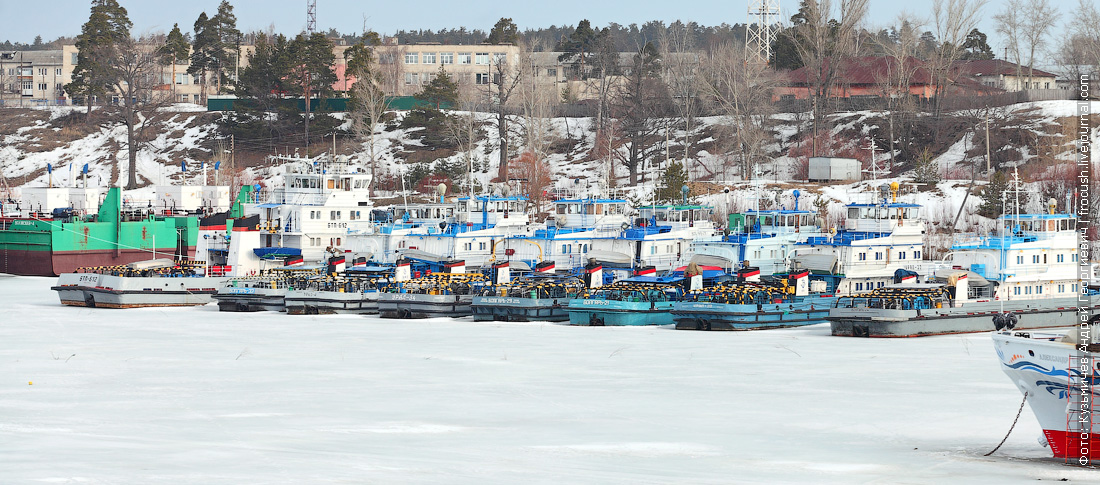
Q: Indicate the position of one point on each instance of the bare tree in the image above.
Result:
(680, 62)
(640, 106)
(1026, 26)
(1079, 52)
(823, 45)
(952, 20)
(464, 129)
(136, 71)
(900, 50)
(506, 75)
(368, 100)
(741, 90)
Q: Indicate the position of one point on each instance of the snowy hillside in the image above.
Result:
(185, 134)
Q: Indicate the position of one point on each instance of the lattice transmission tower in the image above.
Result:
(311, 16)
(763, 25)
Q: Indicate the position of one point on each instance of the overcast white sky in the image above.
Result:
(64, 17)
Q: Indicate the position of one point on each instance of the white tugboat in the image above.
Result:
(321, 202)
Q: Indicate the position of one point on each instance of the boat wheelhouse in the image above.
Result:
(321, 201)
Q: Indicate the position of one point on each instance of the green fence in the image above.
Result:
(333, 104)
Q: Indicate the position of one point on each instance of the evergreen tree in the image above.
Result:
(92, 76)
(175, 50)
(672, 181)
(443, 90)
(37, 42)
(993, 195)
(504, 32)
(226, 37)
(925, 171)
(202, 45)
(975, 47)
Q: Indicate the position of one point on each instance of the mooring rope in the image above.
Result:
(1012, 427)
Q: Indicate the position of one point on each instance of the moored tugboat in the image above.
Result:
(748, 304)
(265, 291)
(639, 300)
(541, 296)
(447, 294)
(352, 291)
(153, 283)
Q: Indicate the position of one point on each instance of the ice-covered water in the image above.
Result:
(197, 396)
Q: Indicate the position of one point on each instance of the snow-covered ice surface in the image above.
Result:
(197, 396)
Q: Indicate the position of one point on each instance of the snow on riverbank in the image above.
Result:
(197, 396)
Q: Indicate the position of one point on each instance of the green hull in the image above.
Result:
(50, 248)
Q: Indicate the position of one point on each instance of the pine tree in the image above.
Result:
(107, 25)
(441, 91)
(504, 32)
(672, 182)
(174, 50)
(201, 47)
(975, 47)
(225, 38)
(925, 171)
(993, 195)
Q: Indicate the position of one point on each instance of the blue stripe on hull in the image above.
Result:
(619, 313)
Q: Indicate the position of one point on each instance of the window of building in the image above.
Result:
(552, 72)
(411, 57)
(916, 254)
(863, 256)
(500, 58)
(481, 246)
(901, 254)
(878, 256)
(1061, 288)
(43, 86)
(75, 57)
(1061, 258)
(28, 85)
(482, 78)
(464, 57)
(42, 71)
(1035, 259)
(1039, 289)
(481, 58)
(1016, 290)
(412, 78)
(859, 286)
(429, 58)
(385, 58)
(447, 58)
(57, 72)
(1019, 260)
(197, 98)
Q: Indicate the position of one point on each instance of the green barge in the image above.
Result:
(113, 236)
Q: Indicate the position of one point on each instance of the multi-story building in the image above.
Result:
(35, 78)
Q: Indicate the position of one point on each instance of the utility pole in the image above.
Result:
(988, 163)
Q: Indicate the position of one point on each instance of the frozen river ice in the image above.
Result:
(192, 395)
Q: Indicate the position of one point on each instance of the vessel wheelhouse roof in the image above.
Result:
(590, 201)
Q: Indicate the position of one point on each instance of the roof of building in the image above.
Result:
(867, 70)
(994, 67)
(54, 56)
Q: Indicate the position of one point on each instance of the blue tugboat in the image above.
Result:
(640, 300)
(750, 305)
